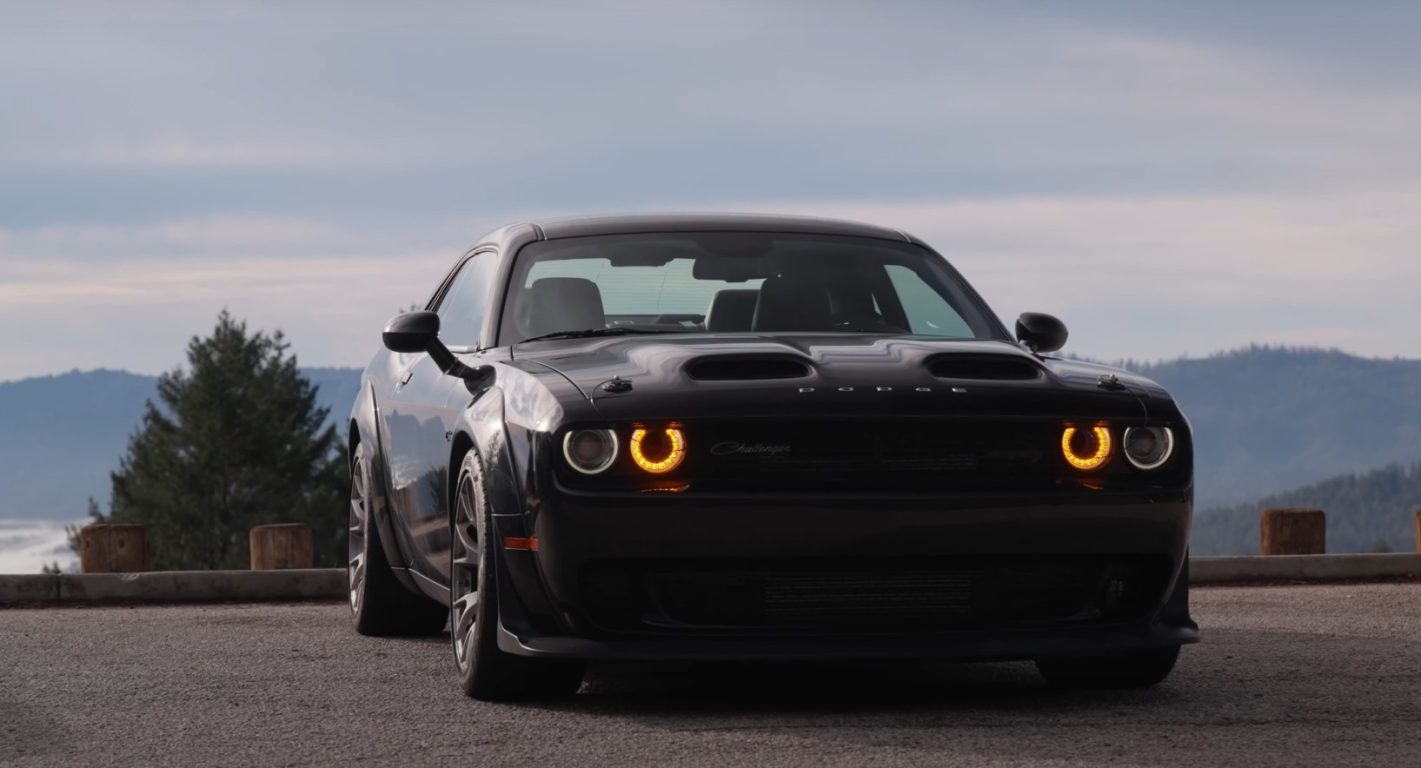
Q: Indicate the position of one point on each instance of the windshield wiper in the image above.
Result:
(619, 330)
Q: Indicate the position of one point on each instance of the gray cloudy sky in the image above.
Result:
(1173, 178)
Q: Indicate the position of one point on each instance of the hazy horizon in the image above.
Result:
(182, 362)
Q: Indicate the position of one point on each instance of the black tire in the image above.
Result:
(380, 605)
(1126, 669)
(485, 672)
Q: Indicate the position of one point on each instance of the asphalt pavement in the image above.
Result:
(1288, 676)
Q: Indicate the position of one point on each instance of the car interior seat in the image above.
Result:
(732, 310)
(554, 304)
(791, 304)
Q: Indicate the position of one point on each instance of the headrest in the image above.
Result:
(732, 309)
(555, 304)
(791, 304)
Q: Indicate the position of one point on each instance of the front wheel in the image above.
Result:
(486, 672)
(1125, 669)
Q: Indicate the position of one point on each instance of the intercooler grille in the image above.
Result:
(924, 597)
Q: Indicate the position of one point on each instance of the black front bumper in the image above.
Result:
(619, 577)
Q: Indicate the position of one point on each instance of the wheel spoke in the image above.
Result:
(356, 543)
(467, 539)
(465, 561)
(357, 580)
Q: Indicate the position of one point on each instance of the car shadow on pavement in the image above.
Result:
(762, 687)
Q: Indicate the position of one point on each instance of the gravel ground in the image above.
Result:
(1289, 676)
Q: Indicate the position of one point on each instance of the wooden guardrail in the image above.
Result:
(113, 548)
(118, 548)
(123, 548)
(281, 547)
(1293, 532)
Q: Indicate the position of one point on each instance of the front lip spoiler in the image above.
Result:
(983, 646)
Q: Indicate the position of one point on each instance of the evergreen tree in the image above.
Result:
(238, 441)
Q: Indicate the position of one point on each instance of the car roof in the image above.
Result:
(556, 228)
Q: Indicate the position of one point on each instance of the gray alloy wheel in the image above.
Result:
(485, 671)
(359, 517)
(465, 556)
(1124, 669)
(379, 605)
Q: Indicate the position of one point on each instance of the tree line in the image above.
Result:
(235, 440)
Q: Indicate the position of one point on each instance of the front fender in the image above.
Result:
(503, 425)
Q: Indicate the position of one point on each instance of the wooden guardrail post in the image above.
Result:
(1418, 530)
(276, 547)
(113, 548)
(1294, 532)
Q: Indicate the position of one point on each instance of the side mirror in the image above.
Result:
(1040, 333)
(419, 332)
(411, 332)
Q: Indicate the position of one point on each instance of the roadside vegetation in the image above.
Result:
(236, 439)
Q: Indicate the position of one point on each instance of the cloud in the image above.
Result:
(236, 153)
(1168, 179)
(1143, 277)
(1153, 277)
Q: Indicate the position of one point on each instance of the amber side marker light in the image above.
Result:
(1093, 455)
(529, 544)
(659, 452)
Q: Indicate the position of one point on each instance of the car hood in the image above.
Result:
(732, 376)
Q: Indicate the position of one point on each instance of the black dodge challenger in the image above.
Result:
(756, 437)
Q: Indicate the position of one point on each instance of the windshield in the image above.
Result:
(732, 282)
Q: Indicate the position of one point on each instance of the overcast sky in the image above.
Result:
(1170, 179)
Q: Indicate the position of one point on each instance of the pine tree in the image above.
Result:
(237, 441)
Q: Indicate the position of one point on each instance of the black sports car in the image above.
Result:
(754, 437)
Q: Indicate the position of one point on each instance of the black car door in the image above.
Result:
(421, 416)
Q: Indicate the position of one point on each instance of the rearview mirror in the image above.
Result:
(411, 332)
(1040, 333)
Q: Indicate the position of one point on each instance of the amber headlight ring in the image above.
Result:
(675, 450)
(590, 451)
(1097, 458)
(1148, 447)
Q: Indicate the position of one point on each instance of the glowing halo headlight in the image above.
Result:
(1089, 453)
(658, 452)
(1148, 447)
(590, 451)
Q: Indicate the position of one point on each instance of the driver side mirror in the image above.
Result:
(412, 332)
(415, 332)
(1040, 333)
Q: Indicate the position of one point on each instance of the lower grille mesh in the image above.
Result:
(870, 598)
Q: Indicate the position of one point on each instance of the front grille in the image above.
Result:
(827, 456)
(961, 594)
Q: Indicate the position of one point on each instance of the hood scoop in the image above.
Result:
(746, 368)
(983, 368)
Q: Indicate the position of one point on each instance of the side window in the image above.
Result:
(461, 313)
(928, 312)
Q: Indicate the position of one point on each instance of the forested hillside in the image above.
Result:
(61, 436)
(1372, 511)
(1269, 419)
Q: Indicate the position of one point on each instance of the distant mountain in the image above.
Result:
(61, 436)
(1373, 511)
(1266, 420)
